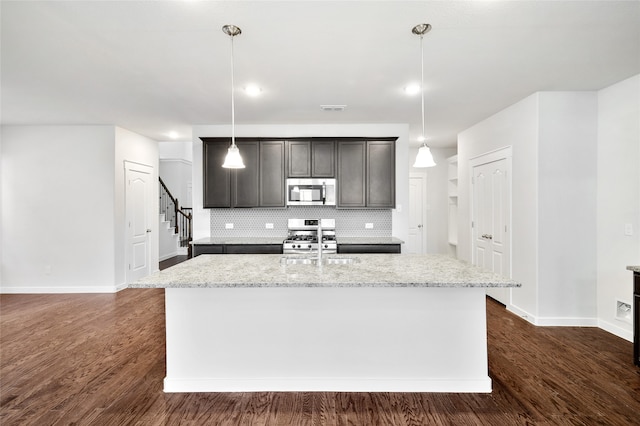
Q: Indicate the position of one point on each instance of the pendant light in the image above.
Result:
(233, 160)
(424, 157)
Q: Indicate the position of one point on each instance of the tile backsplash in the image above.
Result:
(252, 222)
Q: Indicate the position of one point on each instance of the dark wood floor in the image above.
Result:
(172, 261)
(100, 360)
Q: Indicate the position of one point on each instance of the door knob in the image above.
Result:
(148, 230)
(419, 226)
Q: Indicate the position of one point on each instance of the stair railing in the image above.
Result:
(180, 218)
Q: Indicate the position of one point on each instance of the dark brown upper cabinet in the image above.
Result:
(381, 174)
(259, 184)
(352, 157)
(364, 170)
(366, 173)
(272, 180)
(311, 158)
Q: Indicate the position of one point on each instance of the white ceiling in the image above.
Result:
(159, 66)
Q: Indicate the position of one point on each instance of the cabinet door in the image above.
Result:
(381, 174)
(272, 192)
(351, 174)
(216, 180)
(299, 159)
(245, 181)
(323, 159)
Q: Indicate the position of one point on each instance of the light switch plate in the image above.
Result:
(628, 229)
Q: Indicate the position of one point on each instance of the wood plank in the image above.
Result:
(99, 359)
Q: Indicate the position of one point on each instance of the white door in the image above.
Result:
(138, 223)
(416, 243)
(492, 222)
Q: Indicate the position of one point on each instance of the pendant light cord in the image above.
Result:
(424, 141)
(233, 105)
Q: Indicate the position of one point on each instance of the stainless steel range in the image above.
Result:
(302, 236)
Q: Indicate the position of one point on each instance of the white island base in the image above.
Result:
(364, 339)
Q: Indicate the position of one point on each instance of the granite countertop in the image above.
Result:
(369, 240)
(634, 268)
(368, 270)
(239, 240)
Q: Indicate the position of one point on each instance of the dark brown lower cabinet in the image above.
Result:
(636, 318)
(199, 249)
(369, 248)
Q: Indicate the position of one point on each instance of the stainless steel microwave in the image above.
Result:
(311, 192)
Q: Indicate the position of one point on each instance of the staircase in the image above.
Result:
(175, 226)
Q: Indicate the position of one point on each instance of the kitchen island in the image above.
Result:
(377, 322)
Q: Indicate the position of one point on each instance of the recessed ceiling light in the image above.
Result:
(412, 89)
(332, 107)
(252, 90)
(173, 135)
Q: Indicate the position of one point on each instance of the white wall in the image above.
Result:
(176, 162)
(437, 202)
(63, 207)
(567, 191)
(553, 136)
(400, 218)
(57, 208)
(515, 126)
(618, 199)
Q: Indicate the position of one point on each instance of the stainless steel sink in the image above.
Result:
(298, 260)
(340, 260)
(287, 260)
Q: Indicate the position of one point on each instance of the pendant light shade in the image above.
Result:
(233, 160)
(424, 157)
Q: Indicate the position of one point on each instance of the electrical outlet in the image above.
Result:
(628, 229)
(228, 226)
(623, 311)
(268, 225)
(368, 225)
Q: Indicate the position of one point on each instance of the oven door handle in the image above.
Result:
(324, 193)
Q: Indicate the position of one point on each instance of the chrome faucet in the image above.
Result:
(319, 241)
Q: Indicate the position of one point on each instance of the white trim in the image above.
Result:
(615, 330)
(331, 384)
(491, 156)
(554, 321)
(424, 177)
(176, 160)
(140, 168)
(61, 290)
(168, 256)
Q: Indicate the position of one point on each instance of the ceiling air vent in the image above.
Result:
(332, 107)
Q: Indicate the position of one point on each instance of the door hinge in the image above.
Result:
(472, 224)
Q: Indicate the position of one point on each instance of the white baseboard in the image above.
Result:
(616, 330)
(61, 290)
(167, 256)
(327, 384)
(554, 321)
